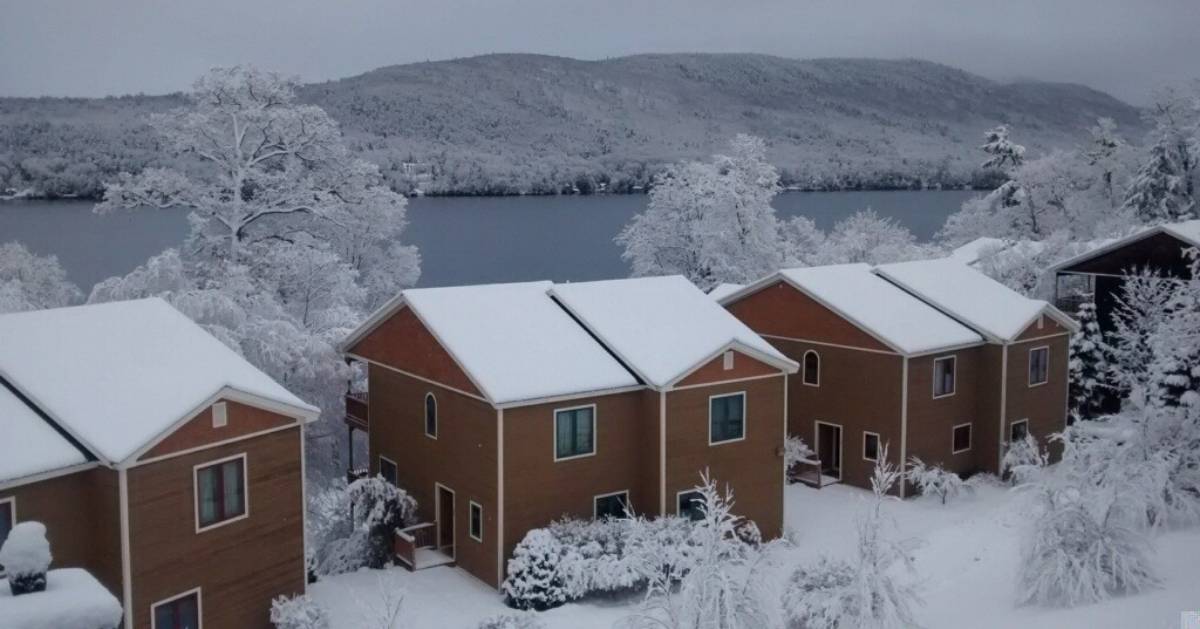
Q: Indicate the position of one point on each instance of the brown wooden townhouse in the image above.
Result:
(931, 358)
(158, 459)
(504, 407)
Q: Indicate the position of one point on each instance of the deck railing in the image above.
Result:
(411, 538)
(357, 405)
(807, 471)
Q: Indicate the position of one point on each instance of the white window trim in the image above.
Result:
(196, 491)
(1012, 424)
(678, 511)
(727, 360)
(841, 444)
(878, 445)
(953, 376)
(199, 607)
(396, 467)
(471, 506)
(804, 371)
(1029, 366)
(970, 437)
(745, 423)
(425, 415)
(220, 415)
(11, 503)
(595, 432)
(610, 494)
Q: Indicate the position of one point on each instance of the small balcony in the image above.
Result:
(356, 410)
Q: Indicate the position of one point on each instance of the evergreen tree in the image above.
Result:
(1164, 188)
(1001, 151)
(1088, 362)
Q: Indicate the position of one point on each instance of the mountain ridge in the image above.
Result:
(525, 123)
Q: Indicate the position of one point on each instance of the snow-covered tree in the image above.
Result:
(796, 451)
(1087, 540)
(934, 480)
(710, 222)
(380, 508)
(1143, 305)
(866, 592)
(534, 580)
(32, 282)
(1002, 152)
(1088, 364)
(1024, 460)
(867, 237)
(1166, 186)
(722, 585)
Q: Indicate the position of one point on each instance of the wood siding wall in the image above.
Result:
(241, 420)
(402, 341)
(82, 519)
(538, 489)
(1045, 405)
(239, 566)
(462, 457)
(752, 467)
(781, 310)
(714, 370)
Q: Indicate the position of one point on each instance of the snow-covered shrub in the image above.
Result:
(380, 508)
(26, 557)
(934, 480)
(862, 593)
(534, 579)
(819, 596)
(526, 620)
(328, 524)
(724, 582)
(298, 612)
(795, 450)
(1023, 460)
(612, 555)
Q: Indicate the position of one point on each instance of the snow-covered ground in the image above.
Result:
(966, 564)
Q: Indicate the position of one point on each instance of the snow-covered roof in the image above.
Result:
(30, 444)
(72, 598)
(662, 327)
(723, 290)
(1187, 231)
(894, 317)
(120, 374)
(968, 295)
(515, 342)
(971, 252)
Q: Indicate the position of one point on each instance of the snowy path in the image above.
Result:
(967, 563)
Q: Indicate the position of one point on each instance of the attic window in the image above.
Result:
(728, 360)
(1041, 321)
(220, 416)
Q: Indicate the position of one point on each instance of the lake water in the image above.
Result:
(463, 240)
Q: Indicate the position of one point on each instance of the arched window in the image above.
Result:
(812, 368)
(430, 415)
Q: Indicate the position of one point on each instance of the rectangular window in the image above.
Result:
(220, 492)
(611, 505)
(387, 469)
(8, 517)
(220, 415)
(690, 505)
(1018, 430)
(476, 513)
(943, 376)
(181, 612)
(574, 432)
(1039, 366)
(726, 418)
(870, 446)
(727, 361)
(961, 439)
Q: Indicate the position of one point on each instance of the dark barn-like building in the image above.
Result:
(1097, 275)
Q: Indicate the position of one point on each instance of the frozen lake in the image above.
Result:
(462, 239)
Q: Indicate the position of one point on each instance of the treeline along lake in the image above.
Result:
(463, 240)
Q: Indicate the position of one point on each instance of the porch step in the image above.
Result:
(430, 558)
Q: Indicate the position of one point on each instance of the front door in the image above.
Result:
(829, 448)
(445, 519)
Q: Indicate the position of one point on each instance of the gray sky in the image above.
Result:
(98, 47)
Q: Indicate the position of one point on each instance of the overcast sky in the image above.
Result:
(98, 47)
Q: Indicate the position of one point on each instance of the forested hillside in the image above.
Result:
(536, 124)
